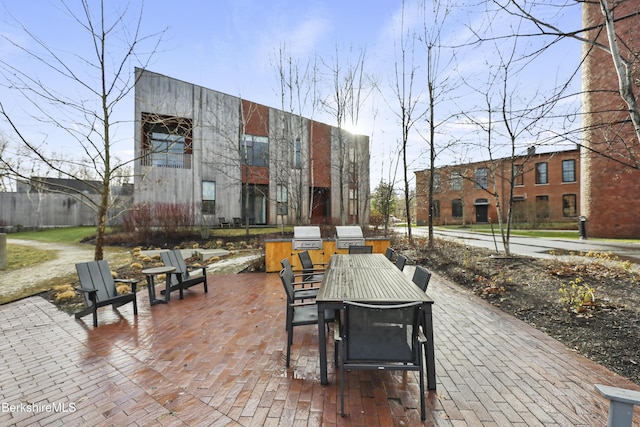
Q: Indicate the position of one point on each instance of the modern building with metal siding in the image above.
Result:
(232, 158)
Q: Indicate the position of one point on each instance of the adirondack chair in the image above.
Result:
(182, 278)
(99, 289)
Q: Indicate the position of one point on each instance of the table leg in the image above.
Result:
(167, 292)
(151, 287)
(429, 348)
(322, 346)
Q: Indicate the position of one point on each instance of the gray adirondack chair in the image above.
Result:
(98, 287)
(182, 278)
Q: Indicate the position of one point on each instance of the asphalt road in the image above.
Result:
(535, 246)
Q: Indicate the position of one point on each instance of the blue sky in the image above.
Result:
(231, 46)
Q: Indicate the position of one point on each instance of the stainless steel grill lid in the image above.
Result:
(306, 237)
(347, 235)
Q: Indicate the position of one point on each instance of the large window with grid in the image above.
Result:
(542, 176)
(166, 141)
(542, 207)
(518, 175)
(456, 181)
(456, 208)
(255, 150)
(569, 170)
(436, 209)
(569, 205)
(436, 183)
(481, 178)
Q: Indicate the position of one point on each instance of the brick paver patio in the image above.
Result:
(217, 359)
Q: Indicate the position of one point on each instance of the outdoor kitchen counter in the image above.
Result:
(277, 249)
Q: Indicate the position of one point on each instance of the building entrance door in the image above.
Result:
(482, 213)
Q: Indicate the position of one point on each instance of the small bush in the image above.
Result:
(62, 288)
(577, 296)
(123, 288)
(65, 296)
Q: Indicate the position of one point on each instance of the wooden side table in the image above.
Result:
(151, 273)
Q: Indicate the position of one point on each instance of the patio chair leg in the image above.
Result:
(289, 341)
(423, 410)
(341, 388)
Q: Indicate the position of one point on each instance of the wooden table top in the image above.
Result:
(158, 270)
(367, 278)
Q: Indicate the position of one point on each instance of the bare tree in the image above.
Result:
(520, 121)
(408, 101)
(435, 18)
(624, 57)
(298, 96)
(102, 80)
(347, 96)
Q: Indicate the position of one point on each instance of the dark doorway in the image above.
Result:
(482, 210)
(321, 205)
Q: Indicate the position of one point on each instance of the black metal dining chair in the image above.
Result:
(303, 289)
(299, 313)
(360, 249)
(421, 277)
(389, 254)
(381, 337)
(401, 260)
(311, 271)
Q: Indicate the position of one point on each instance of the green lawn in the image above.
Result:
(56, 235)
(19, 256)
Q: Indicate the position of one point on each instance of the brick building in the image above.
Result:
(546, 189)
(610, 195)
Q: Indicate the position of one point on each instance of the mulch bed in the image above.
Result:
(602, 323)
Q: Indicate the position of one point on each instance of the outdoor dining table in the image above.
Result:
(371, 279)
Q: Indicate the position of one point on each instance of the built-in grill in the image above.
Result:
(306, 238)
(347, 235)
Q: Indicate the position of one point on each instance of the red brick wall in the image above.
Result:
(256, 122)
(320, 153)
(611, 191)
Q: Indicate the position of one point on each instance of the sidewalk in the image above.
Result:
(217, 359)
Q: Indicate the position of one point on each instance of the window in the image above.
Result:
(456, 181)
(456, 208)
(208, 197)
(436, 182)
(282, 200)
(542, 207)
(255, 150)
(482, 178)
(353, 201)
(568, 171)
(518, 176)
(569, 205)
(519, 209)
(436, 209)
(166, 141)
(297, 154)
(541, 173)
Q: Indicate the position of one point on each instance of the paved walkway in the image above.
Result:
(217, 359)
